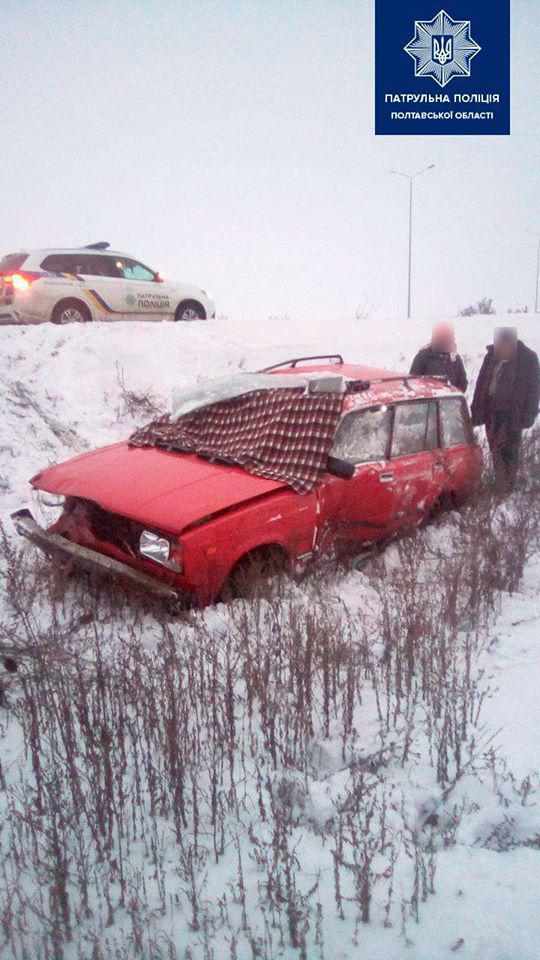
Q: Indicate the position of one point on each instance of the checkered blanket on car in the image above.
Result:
(281, 434)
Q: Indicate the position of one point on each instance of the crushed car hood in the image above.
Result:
(168, 491)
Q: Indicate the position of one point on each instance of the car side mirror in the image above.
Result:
(340, 468)
(158, 279)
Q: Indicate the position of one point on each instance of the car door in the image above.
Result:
(461, 457)
(147, 296)
(413, 461)
(359, 509)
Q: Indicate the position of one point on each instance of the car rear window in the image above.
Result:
(415, 428)
(364, 436)
(12, 261)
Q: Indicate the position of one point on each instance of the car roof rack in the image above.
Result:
(356, 386)
(101, 245)
(295, 360)
(405, 377)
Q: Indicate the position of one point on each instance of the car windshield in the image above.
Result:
(283, 434)
(217, 390)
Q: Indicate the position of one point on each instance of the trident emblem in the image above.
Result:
(442, 50)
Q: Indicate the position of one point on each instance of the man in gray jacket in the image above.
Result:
(506, 399)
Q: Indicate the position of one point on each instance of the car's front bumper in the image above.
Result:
(53, 543)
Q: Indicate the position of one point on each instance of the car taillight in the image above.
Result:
(22, 281)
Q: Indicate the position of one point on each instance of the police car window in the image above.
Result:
(64, 263)
(411, 429)
(105, 266)
(455, 423)
(364, 436)
(137, 271)
(56, 263)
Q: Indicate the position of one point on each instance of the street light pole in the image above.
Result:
(537, 276)
(411, 178)
(411, 182)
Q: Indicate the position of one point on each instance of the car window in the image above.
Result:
(62, 263)
(132, 270)
(12, 261)
(65, 263)
(364, 436)
(415, 428)
(455, 422)
(105, 266)
(82, 264)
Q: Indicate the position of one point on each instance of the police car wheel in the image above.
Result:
(190, 310)
(71, 311)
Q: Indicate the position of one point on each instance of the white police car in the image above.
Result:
(92, 283)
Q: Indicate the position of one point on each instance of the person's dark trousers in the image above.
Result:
(505, 445)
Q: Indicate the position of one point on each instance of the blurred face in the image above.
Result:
(505, 348)
(442, 338)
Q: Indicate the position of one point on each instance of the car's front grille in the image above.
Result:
(119, 531)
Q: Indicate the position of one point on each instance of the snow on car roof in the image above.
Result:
(219, 389)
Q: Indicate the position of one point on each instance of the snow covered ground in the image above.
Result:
(63, 390)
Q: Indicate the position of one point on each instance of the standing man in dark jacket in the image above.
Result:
(506, 401)
(440, 359)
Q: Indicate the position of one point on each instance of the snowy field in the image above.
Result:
(389, 807)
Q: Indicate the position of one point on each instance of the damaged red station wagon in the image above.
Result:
(180, 509)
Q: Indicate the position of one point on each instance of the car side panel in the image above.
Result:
(49, 291)
(417, 487)
(358, 509)
(462, 470)
(149, 300)
(285, 519)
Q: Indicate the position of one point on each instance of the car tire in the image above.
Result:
(190, 310)
(71, 311)
(251, 576)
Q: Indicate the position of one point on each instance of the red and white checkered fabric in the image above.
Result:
(283, 434)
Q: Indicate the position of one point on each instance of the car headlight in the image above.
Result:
(51, 499)
(154, 547)
(49, 506)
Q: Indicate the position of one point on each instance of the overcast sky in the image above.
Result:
(231, 144)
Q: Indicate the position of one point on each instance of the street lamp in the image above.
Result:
(411, 178)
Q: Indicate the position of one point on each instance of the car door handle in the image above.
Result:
(386, 477)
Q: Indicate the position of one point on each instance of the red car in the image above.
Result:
(182, 524)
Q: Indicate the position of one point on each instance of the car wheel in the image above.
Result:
(252, 575)
(190, 310)
(71, 311)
